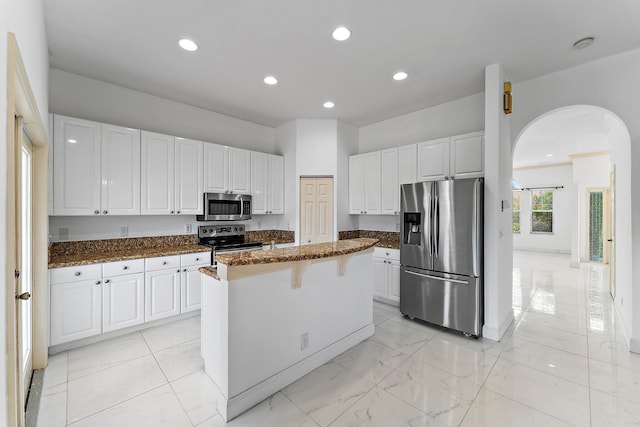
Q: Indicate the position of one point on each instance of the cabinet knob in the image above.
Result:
(309, 241)
(105, 212)
(178, 271)
(178, 212)
(77, 273)
(107, 281)
(97, 282)
(387, 253)
(96, 212)
(184, 271)
(126, 268)
(172, 212)
(197, 259)
(164, 262)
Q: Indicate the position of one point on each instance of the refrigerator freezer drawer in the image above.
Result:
(449, 300)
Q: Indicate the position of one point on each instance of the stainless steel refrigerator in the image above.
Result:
(441, 253)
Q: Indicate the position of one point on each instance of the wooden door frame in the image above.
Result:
(22, 103)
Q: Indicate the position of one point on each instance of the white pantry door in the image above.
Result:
(316, 210)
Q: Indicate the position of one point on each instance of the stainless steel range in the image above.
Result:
(225, 239)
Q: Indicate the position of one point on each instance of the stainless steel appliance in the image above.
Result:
(226, 207)
(224, 239)
(441, 253)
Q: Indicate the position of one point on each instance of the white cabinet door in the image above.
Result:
(380, 278)
(120, 170)
(75, 310)
(407, 164)
(372, 183)
(50, 174)
(259, 182)
(216, 168)
(76, 163)
(161, 294)
(275, 201)
(324, 203)
(433, 160)
(394, 280)
(190, 283)
(122, 301)
(189, 176)
(158, 174)
(390, 198)
(356, 185)
(467, 155)
(239, 171)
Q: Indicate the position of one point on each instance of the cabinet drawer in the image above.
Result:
(393, 254)
(118, 268)
(197, 258)
(162, 263)
(75, 273)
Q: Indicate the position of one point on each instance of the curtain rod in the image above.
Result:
(539, 188)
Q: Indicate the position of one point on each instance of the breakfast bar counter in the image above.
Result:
(270, 317)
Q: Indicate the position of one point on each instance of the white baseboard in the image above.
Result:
(231, 408)
(496, 334)
(545, 250)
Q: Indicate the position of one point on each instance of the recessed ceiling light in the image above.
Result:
(582, 43)
(341, 34)
(270, 80)
(71, 141)
(549, 155)
(328, 104)
(188, 44)
(400, 75)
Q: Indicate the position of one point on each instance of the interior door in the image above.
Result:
(316, 210)
(24, 252)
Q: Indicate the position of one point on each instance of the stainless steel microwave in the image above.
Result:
(226, 207)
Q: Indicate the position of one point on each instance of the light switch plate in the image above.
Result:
(124, 231)
(63, 233)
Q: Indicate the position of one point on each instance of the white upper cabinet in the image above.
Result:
(275, 202)
(239, 171)
(158, 174)
(407, 164)
(390, 197)
(216, 168)
(433, 160)
(365, 183)
(189, 176)
(77, 167)
(267, 183)
(467, 155)
(120, 170)
(460, 156)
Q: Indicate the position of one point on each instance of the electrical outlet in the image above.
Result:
(63, 233)
(398, 226)
(304, 341)
(124, 231)
(288, 226)
(259, 224)
(187, 228)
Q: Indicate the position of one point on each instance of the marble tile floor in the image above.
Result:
(563, 362)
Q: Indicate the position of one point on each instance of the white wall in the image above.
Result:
(563, 210)
(77, 96)
(610, 83)
(25, 19)
(286, 146)
(347, 146)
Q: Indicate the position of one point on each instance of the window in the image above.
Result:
(515, 202)
(542, 211)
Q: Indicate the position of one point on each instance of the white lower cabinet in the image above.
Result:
(75, 310)
(161, 294)
(122, 301)
(190, 285)
(386, 284)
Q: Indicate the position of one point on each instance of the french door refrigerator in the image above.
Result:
(441, 253)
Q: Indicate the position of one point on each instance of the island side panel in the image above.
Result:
(215, 332)
(267, 317)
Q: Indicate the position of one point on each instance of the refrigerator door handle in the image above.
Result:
(442, 279)
(436, 225)
(429, 227)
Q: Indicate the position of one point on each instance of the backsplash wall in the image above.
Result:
(109, 227)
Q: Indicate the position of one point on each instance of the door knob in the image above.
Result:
(24, 296)
(609, 240)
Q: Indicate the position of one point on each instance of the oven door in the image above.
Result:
(226, 207)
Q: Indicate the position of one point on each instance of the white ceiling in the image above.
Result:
(555, 137)
(443, 45)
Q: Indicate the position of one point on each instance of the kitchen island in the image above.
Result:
(270, 317)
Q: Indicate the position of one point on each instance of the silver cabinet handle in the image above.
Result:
(107, 281)
(77, 273)
(96, 212)
(98, 282)
(442, 279)
(105, 212)
(164, 262)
